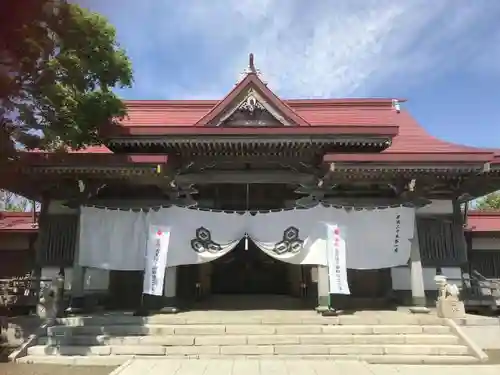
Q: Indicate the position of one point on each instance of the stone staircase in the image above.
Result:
(376, 337)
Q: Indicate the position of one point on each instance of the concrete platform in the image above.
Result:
(484, 330)
(288, 367)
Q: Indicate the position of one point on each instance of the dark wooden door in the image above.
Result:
(249, 272)
(125, 289)
(369, 283)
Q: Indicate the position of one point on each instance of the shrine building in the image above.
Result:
(252, 151)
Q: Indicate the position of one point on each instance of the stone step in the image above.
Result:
(116, 360)
(231, 318)
(236, 329)
(276, 339)
(251, 350)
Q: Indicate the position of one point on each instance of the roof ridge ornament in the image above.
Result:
(251, 69)
(396, 105)
(251, 64)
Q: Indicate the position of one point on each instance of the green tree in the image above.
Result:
(489, 202)
(58, 65)
(13, 203)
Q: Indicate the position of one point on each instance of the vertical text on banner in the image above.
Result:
(156, 260)
(337, 261)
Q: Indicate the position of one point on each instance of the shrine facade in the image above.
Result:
(254, 152)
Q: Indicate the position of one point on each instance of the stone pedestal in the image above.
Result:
(448, 304)
(48, 306)
(450, 308)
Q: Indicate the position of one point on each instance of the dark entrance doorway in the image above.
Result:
(125, 290)
(249, 272)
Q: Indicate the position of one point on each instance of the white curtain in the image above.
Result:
(199, 236)
(293, 236)
(112, 239)
(379, 238)
(375, 239)
(116, 240)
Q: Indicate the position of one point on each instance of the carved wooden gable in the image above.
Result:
(252, 110)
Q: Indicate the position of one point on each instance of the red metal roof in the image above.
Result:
(17, 222)
(340, 115)
(317, 112)
(347, 116)
(413, 138)
(484, 221)
(376, 116)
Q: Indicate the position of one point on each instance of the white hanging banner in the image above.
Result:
(156, 260)
(199, 236)
(116, 240)
(379, 238)
(337, 262)
(293, 236)
(112, 239)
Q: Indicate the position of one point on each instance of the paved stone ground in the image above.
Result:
(9, 368)
(493, 356)
(289, 367)
(249, 367)
(43, 369)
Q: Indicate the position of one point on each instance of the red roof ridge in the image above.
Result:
(290, 102)
(96, 149)
(486, 212)
(251, 79)
(4, 214)
(170, 103)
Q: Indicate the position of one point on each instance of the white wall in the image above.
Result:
(57, 207)
(401, 277)
(95, 279)
(485, 243)
(436, 207)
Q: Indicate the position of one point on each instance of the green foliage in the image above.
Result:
(58, 65)
(21, 206)
(13, 203)
(489, 202)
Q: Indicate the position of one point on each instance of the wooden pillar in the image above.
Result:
(205, 279)
(416, 272)
(170, 291)
(323, 292)
(170, 282)
(37, 269)
(77, 294)
(459, 222)
(294, 273)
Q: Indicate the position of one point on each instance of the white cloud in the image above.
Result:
(318, 48)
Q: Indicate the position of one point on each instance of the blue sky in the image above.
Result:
(442, 55)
